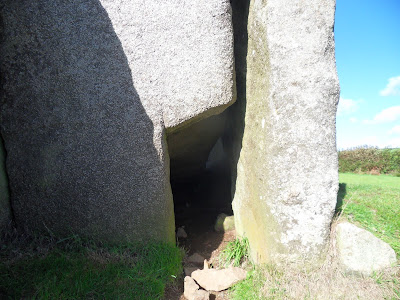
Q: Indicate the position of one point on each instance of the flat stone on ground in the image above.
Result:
(360, 252)
(219, 280)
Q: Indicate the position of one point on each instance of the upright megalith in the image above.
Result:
(287, 178)
(90, 88)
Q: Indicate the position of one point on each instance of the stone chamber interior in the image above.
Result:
(200, 180)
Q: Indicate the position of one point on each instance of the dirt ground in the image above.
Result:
(202, 239)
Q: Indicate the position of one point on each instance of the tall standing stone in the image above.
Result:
(287, 173)
(89, 89)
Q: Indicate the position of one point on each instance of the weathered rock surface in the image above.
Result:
(360, 252)
(196, 259)
(224, 223)
(189, 287)
(181, 233)
(201, 295)
(192, 290)
(5, 209)
(287, 178)
(89, 89)
(219, 280)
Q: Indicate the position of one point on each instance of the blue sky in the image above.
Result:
(367, 36)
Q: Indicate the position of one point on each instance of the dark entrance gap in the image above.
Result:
(202, 176)
(201, 188)
(201, 197)
(200, 182)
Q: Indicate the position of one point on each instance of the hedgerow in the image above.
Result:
(372, 160)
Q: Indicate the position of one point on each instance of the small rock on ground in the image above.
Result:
(190, 287)
(218, 280)
(181, 233)
(192, 290)
(224, 223)
(201, 295)
(196, 259)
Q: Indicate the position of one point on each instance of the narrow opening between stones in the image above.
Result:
(204, 155)
(200, 181)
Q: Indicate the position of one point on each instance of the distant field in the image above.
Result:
(374, 203)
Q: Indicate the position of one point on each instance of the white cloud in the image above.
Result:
(370, 141)
(394, 143)
(395, 130)
(392, 88)
(387, 115)
(347, 106)
(353, 120)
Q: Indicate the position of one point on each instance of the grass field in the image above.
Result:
(371, 202)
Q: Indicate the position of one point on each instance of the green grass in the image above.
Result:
(373, 202)
(251, 287)
(87, 271)
(235, 252)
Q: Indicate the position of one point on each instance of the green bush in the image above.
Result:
(370, 160)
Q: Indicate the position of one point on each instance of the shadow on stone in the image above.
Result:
(234, 133)
(81, 155)
(340, 197)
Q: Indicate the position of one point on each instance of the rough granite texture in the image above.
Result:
(89, 89)
(287, 173)
(360, 252)
(5, 209)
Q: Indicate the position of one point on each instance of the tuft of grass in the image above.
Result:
(74, 269)
(236, 252)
